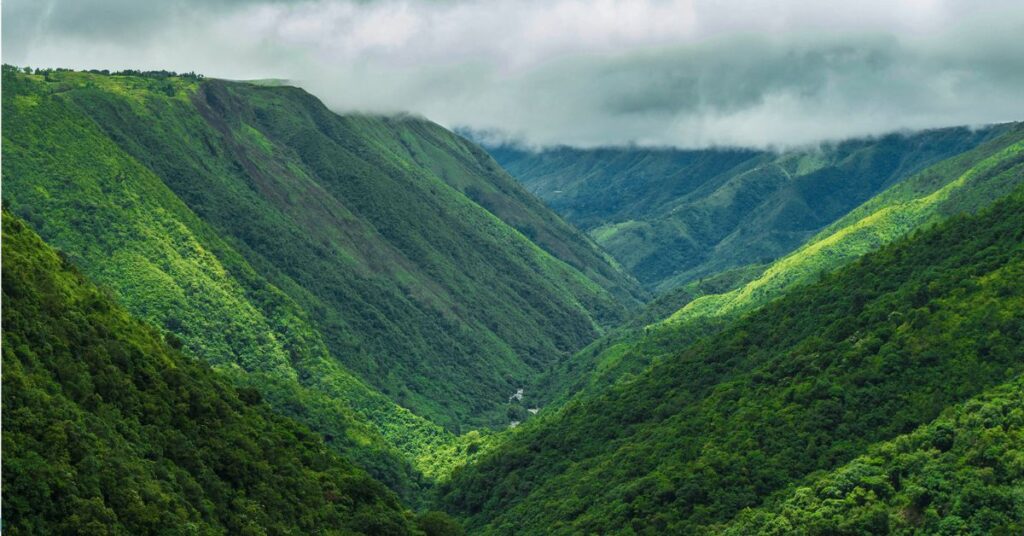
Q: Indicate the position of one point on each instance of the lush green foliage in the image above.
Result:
(333, 269)
(127, 230)
(962, 183)
(287, 246)
(805, 384)
(961, 474)
(631, 347)
(109, 430)
(399, 249)
(673, 216)
(665, 305)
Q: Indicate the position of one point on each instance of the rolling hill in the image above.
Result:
(314, 257)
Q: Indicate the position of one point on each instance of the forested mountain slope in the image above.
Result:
(109, 430)
(126, 229)
(279, 239)
(469, 169)
(673, 216)
(805, 384)
(963, 183)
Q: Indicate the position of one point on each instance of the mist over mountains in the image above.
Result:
(679, 73)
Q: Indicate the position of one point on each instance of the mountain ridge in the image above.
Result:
(964, 182)
(209, 220)
(672, 216)
(268, 317)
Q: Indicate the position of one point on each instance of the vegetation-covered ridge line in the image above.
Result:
(673, 216)
(153, 276)
(880, 220)
(389, 220)
(400, 209)
(965, 182)
(362, 272)
(121, 223)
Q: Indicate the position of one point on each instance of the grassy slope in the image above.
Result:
(437, 303)
(960, 474)
(108, 430)
(121, 223)
(502, 309)
(675, 216)
(804, 384)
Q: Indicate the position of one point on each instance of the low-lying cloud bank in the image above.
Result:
(681, 73)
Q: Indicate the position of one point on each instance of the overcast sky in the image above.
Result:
(682, 73)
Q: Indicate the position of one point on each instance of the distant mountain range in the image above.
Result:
(674, 216)
(960, 184)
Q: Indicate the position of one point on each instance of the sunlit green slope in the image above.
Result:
(120, 222)
(470, 170)
(962, 183)
(315, 257)
(804, 384)
(388, 237)
(110, 430)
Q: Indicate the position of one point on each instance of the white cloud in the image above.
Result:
(685, 73)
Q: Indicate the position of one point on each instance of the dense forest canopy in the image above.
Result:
(110, 430)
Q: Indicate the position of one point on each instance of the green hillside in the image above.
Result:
(128, 231)
(109, 430)
(962, 183)
(287, 246)
(470, 170)
(674, 216)
(960, 474)
(632, 346)
(965, 182)
(805, 384)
